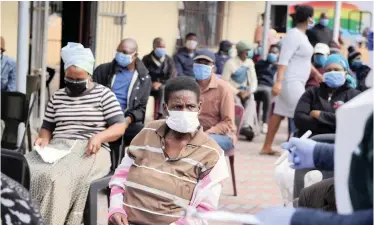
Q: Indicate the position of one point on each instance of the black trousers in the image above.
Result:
(130, 133)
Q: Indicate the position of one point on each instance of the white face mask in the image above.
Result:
(183, 121)
(191, 44)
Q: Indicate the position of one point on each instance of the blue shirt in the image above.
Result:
(220, 62)
(121, 86)
(8, 74)
(184, 62)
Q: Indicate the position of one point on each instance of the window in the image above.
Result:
(203, 18)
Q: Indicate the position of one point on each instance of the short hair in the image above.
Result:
(190, 35)
(181, 83)
(323, 16)
(157, 40)
(275, 46)
(131, 41)
(303, 12)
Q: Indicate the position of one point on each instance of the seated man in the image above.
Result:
(358, 67)
(321, 52)
(224, 53)
(241, 74)
(80, 118)
(316, 108)
(128, 78)
(161, 68)
(168, 162)
(265, 70)
(217, 115)
(184, 57)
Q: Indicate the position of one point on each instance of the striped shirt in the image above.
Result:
(147, 183)
(84, 116)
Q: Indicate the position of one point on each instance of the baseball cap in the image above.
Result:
(205, 54)
(322, 48)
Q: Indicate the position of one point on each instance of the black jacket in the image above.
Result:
(140, 89)
(361, 74)
(320, 34)
(159, 73)
(317, 98)
(265, 72)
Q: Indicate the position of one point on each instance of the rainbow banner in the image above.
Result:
(349, 17)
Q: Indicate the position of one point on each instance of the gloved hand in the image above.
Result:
(301, 156)
(276, 216)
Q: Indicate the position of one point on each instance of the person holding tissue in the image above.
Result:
(241, 74)
(80, 119)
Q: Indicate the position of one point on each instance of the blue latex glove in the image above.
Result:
(276, 216)
(301, 155)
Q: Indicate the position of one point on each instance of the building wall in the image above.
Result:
(8, 28)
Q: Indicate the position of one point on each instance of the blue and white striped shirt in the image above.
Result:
(8, 73)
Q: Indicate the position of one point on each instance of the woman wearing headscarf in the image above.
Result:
(294, 68)
(169, 164)
(224, 53)
(316, 108)
(79, 120)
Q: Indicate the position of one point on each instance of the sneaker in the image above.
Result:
(264, 129)
(248, 133)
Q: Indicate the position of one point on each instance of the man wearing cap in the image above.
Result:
(321, 52)
(241, 74)
(128, 78)
(224, 53)
(8, 70)
(217, 113)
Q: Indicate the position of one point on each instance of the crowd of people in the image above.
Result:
(180, 156)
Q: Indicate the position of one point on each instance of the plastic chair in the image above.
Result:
(299, 174)
(90, 214)
(239, 112)
(15, 166)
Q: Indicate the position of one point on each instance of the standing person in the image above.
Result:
(241, 74)
(320, 33)
(128, 78)
(224, 53)
(265, 70)
(184, 57)
(217, 115)
(8, 70)
(272, 35)
(358, 67)
(294, 67)
(321, 52)
(161, 68)
(80, 118)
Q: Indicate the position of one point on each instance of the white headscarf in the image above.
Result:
(74, 54)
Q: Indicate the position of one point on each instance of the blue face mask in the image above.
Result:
(272, 57)
(250, 54)
(310, 26)
(160, 52)
(319, 60)
(123, 59)
(259, 51)
(201, 71)
(324, 22)
(334, 79)
(356, 64)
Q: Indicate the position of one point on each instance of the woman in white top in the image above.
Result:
(294, 67)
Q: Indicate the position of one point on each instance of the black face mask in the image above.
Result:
(75, 88)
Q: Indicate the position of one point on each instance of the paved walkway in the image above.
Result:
(254, 177)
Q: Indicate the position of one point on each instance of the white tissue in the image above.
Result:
(51, 155)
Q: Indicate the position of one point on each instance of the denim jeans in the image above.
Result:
(224, 141)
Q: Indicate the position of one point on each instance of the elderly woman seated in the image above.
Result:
(169, 163)
(316, 108)
(80, 119)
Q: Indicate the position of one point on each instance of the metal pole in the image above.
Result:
(44, 61)
(22, 45)
(22, 55)
(338, 6)
(265, 34)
